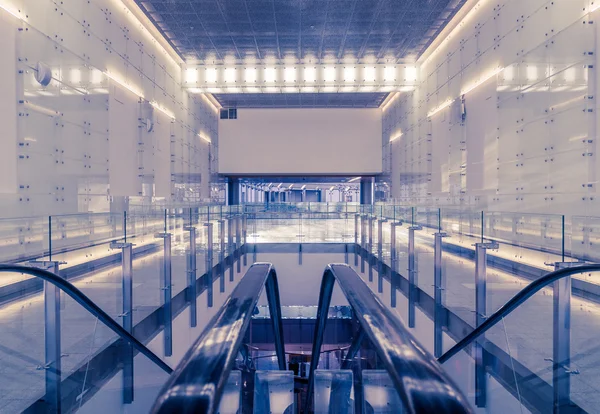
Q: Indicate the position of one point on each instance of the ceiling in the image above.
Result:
(238, 31)
(301, 100)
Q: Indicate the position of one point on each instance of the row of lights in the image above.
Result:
(290, 75)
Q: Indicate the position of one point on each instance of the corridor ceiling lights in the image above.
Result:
(354, 179)
(323, 78)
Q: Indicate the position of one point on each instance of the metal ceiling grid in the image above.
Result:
(233, 31)
(301, 100)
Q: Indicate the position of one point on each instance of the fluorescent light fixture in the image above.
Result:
(310, 74)
(331, 188)
(349, 74)
(410, 73)
(99, 91)
(250, 75)
(289, 75)
(291, 186)
(162, 109)
(205, 138)
(303, 187)
(354, 179)
(389, 74)
(280, 184)
(96, 76)
(75, 76)
(211, 101)
(41, 109)
(370, 73)
(532, 73)
(329, 73)
(482, 80)
(191, 75)
(308, 89)
(330, 89)
(440, 108)
(210, 75)
(116, 78)
(570, 74)
(12, 12)
(397, 136)
(270, 75)
(229, 75)
(568, 103)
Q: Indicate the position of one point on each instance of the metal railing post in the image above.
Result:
(209, 264)
(363, 240)
(230, 242)
(356, 227)
(412, 276)
(244, 236)
(192, 268)
(561, 339)
(127, 315)
(166, 287)
(238, 241)
(381, 266)
(52, 346)
(393, 264)
(221, 266)
(439, 286)
(480, 316)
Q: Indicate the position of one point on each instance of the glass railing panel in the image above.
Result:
(334, 392)
(425, 226)
(274, 392)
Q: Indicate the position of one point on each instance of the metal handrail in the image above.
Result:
(198, 382)
(514, 303)
(89, 305)
(421, 382)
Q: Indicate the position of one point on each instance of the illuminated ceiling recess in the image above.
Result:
(300, 78)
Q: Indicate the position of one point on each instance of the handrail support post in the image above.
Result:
(166, 286)
(561, 339)
(209, 263)
(480, 317)
(191, 275)
(412, 275)
(439, 285)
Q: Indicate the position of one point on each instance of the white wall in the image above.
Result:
(301, 141)
(527, 70)
(80, 149)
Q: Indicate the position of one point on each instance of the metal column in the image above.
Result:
(363, 240)
(52, 346)
(244, 237)
(439, 286)
(370, 246)
(356, 227)
(561, 344)
(209, 264)
(238, 241)
(127, 315)
(393, 264)
(166, 287)
(230, 243)
(412, 276)
(221, 266)
(381, 266)
(480, 317)
(192, 292)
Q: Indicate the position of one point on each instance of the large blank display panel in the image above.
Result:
(301, 141)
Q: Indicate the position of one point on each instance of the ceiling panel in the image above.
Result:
(212, 31)
(301, 100)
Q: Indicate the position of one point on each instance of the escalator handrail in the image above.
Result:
(199, 380)
(514, 303)
(89, 305)
(421, 382)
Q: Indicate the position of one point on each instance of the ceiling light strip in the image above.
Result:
(482, 80)
(12, 12)
(440, 108)
(137, 16)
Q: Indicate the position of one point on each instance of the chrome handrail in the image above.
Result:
(421, 382)
(89, 305)
(514, 303)
(198, 382)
